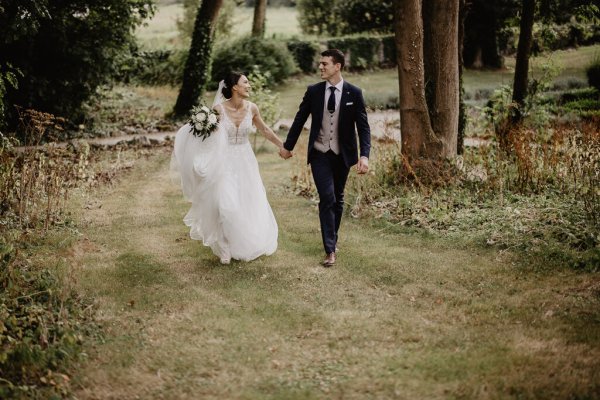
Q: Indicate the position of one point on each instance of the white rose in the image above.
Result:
(198, 127)
(212, 118)
(205, 109)
(201, 117)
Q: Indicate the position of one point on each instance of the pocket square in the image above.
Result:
(349, 104)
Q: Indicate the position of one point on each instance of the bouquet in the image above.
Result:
(203, 121)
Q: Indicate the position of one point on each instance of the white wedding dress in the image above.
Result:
(230, 212)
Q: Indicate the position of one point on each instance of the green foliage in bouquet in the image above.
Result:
(203, 120)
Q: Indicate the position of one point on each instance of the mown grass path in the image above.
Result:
(400, 316)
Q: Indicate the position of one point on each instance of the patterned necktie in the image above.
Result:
(331, 101)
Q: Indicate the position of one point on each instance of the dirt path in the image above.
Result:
(383, 123)
(401, 316)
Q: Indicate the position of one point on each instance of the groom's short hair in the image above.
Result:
(337, 56)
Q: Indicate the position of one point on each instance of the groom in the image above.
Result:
(338, 113)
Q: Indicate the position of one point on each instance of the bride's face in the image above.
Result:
(243, 87)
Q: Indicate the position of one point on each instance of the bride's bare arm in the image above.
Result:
(218, 108)
(264, 128)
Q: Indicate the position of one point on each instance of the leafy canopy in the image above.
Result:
(63, 49)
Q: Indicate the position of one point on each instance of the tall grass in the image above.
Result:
(35, 182)
(539, 202)
(43, 318)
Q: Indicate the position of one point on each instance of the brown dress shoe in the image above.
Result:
(329, 260)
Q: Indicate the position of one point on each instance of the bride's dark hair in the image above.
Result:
(231, 79)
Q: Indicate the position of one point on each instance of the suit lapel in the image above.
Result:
(320, 103)
(343, 101)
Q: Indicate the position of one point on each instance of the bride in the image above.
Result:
(230, 212)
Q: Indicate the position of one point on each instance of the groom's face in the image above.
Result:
(328, 68)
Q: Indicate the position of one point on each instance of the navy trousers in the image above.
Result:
(330, 174)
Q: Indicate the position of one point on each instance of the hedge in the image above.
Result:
(244, 54)
(158, 67)
(305, 53)
(552, 36)
(362, 52)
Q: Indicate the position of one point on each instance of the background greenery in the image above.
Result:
(488, 264)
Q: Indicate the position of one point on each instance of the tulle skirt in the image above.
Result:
(230, 212)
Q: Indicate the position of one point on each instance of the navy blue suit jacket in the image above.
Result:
(352, 119)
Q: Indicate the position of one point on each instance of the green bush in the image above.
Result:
(343, 17)
(42, 320)
(305, 53)
(316, 17)
(578, 94)
(264, 98)
(8, 79)
(593, 73)
(585, 102)
(583, 105)
(552, 36)
(269, 56)
(65, 50)
(40, 330)
(157, 67)
(362, 52)
(390, 58)
(357, 16)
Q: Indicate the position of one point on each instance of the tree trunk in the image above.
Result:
(462, 115)
(260, 13)
(442, 72)
(197, 64)
(416, 132)
(523, 53)
(481, 26)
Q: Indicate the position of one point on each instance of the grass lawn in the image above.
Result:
(161, 31)
(403, 316)
(281, 22)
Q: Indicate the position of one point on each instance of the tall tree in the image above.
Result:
(426, 33)
(415, 126)
(484, 19)
(462, 114)
(440, 24)
(522, 62)
(197, 65)
(260, 15)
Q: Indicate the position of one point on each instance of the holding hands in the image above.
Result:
(285, 153)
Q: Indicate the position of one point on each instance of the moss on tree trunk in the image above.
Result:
(197, 66)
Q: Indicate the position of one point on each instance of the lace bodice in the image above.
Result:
(237, 134)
